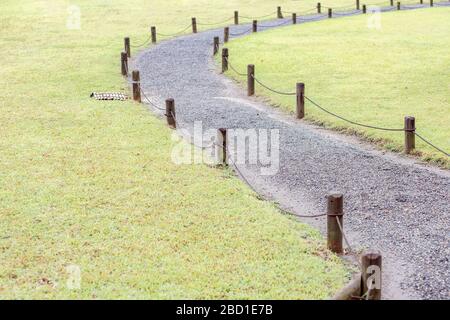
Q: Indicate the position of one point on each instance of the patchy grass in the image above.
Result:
(92, 184)
(367, 75)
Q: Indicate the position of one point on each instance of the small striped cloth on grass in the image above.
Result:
(109, 96)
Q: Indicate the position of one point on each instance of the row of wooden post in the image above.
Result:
(335, 211)
(300, 87)
(135, 76)
(399, 4)
(279, 15)
(255, 22)
(409, 126)
(364, 8)
(170, 103)
(371, 262)
(330, 11)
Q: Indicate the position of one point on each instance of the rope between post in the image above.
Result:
(232, 68)
(314, 17)
(274, 26)
(214, 23)
(149, 101)
(350, 121)
(273, 90)
(240, 33)
(300, 12)
(251, 186)
(260, 17)
(431, 144)
(343, 234)
(143, 44)
(345, 13)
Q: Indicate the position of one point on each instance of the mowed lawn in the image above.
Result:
(368, 75)
(91, 185)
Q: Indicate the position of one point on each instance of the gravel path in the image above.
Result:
(391, 203)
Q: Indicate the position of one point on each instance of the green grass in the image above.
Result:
(91, 183)
(367, 75)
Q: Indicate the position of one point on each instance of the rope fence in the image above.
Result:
(146, 42)
(350, 121)
(301, 12)
(150, 102)
(410, 132)
(361, 288)
(276, 25)
(312, 18)
(409, 129)
(240, 33)
(340, 7)
(252, 77)
(175, 33)
(258, 17)
(232, 68)
(334, 114)
(345, 13)
(215, 23)
(305, 15)
(273, 90)
(431, 144)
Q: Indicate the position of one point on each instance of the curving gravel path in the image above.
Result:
(393, 204)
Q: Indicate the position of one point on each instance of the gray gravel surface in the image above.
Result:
(392, 203)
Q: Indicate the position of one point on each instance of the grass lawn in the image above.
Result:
(91, 184)
(373, 76)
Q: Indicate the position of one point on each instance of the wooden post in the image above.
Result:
(410, 137)
(334, 234)
(126, 42)
(224, 59)
(279, 13)
(221, 151)
(392, 3)
(421, 1)
(255, 26)
(330, 13)
(216, 45)
(124, 62)
(170, 113)
(294, 18)
(364, 8)
(153, 31)
(136, 86)
(371, 275)
(250, 79)
(226, 34)
(398, 6)
(194, 25)
(431, 3)
(319, 8)
(236, 17)
(300, 100)
(357, 4)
